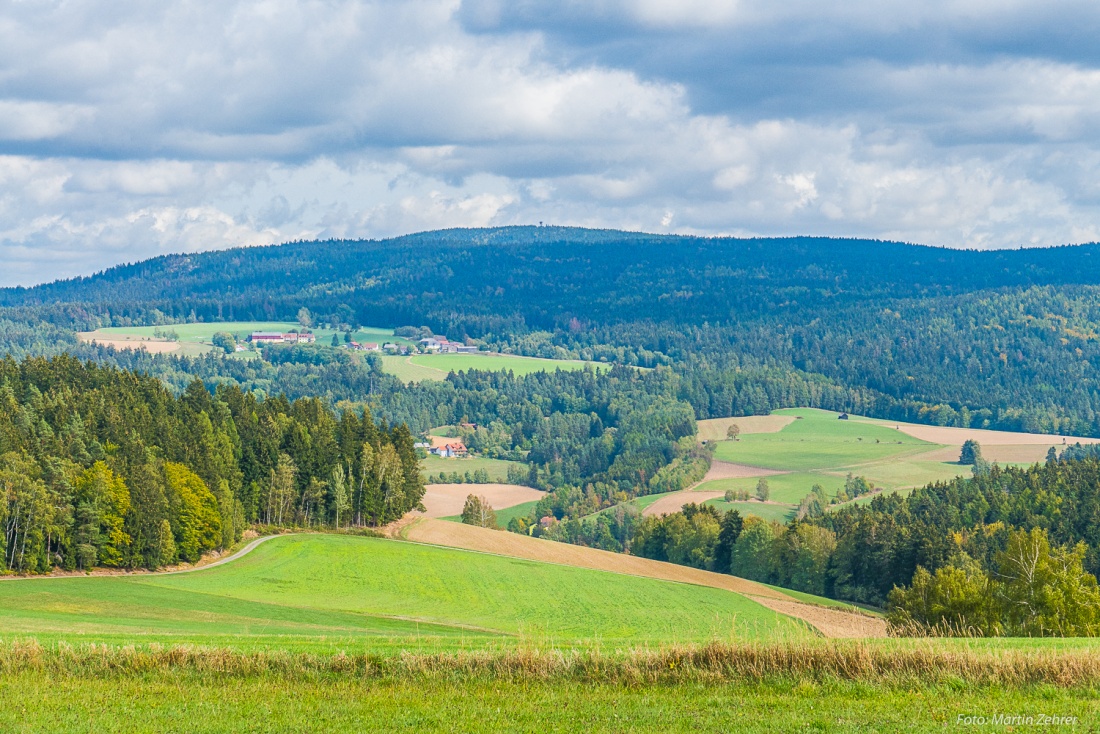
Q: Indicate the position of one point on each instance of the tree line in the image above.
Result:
(104, 467)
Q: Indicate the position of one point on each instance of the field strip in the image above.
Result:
(832, 623)
(952, 436)
(445, 500)
(673, 502)
(714, 429)
(498, 542)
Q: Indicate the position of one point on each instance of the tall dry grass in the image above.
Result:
(712, 663)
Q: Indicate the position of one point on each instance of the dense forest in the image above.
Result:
(104, 467)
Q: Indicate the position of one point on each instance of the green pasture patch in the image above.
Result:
(420, 367)
(402, 368)
(132, 607)
(497, 468)
(332, 585)
(907, 473)
(818, 440)
(445, 586)
(787, 488)
(524, 509)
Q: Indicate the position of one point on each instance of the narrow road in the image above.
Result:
(111, 572)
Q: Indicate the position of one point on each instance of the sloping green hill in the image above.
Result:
(309, 590)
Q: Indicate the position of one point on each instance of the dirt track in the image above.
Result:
(831, 623)
(445, 500)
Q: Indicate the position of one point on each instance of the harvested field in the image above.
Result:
(956, 436)
(729, 470)
(153, 346)
(673, 502)
(444, 500)
(454, 535)
(714, 429)
(833, 623)
(1004, 454)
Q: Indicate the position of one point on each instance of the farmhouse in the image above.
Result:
(455, 449)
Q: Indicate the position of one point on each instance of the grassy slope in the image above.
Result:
(818, 448)
(321, 585)
(497, 468)
(820, 442)
(437, 366)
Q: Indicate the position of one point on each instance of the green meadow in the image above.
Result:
(311, 588)
(819, 448)
(818, 441)
(420, 367)
(202, 702)
(204, 332)
(497, 468)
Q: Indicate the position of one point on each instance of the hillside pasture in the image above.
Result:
(817, 440)
(432, 465)
(420, 367)
(371, 592)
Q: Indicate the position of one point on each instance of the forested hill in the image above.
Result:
(1005, 339)
(544, 276)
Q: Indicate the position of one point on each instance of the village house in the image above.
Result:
(452, 450)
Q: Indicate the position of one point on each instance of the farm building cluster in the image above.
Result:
(442, 344)
(278, 337)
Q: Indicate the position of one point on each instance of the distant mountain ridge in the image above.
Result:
(582, 272)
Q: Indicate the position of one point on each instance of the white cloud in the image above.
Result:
(132, 129)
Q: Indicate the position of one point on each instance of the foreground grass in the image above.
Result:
(712, 688)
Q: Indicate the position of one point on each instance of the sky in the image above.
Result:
(130, 129)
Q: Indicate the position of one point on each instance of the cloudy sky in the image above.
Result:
(132, 128)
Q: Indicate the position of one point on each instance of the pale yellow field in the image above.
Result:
(447, 500)
(153, 346)
(714, 429)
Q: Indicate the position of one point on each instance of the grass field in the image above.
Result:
(420, 367)
(818, 441)
(202, 333)
(312, 587)
(210, 702)
(497, 468)
(818, 448)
